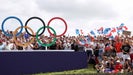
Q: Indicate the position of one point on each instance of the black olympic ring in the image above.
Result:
(26, 23)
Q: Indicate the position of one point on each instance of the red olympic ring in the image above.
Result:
(61, 20)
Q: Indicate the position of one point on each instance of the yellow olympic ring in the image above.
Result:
(20, 44)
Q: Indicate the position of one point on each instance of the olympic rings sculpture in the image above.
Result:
(16, 33)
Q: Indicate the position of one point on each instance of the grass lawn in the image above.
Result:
(88, 70)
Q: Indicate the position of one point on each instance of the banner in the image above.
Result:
(126, 33)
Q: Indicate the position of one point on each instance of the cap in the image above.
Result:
(118, 61)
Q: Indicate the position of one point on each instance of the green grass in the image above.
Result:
(88, 70)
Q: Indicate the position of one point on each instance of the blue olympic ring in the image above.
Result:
(10, 17)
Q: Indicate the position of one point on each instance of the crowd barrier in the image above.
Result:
(40, 61)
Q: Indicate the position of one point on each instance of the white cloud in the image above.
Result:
(82, 14)
(92, 9)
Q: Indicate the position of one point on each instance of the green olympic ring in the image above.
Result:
(43, 44)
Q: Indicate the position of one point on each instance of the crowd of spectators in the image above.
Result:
(112, 55)
(107, 55)
(62, 43)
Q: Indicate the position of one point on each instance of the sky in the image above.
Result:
(79, 14)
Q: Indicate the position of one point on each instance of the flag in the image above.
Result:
(100, 30)
(26, 36)
(106, 30)
(77, 31)
(92, 32)
(125, 27)
(88, 39)
(113, 30)
(81, 42)
(122, 24)
(119, 29)
(109, 35)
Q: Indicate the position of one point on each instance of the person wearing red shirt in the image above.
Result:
(118, 46)
(118, 67)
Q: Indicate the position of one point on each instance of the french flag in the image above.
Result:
(109, 35)
(113, 30)
(122, 24)
(120, 28)
(100, 30)
(106, 30)
(82, 42)
(125, 27)
(92, 32)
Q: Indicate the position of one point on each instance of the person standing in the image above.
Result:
(118, 46)
(1, 45)
(131, 51)
(126, 49)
